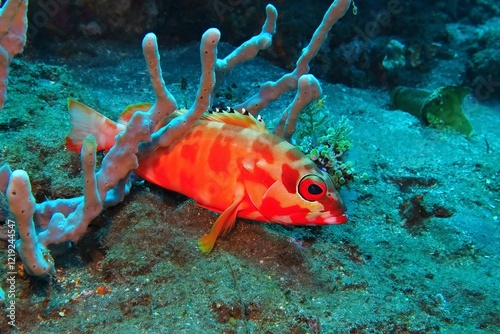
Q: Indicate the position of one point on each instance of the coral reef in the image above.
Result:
(360, 50)
(420, 254)
(66, 220)
(483, 68)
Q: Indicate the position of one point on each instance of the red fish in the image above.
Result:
(228, 163)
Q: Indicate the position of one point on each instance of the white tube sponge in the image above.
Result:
(272, 90)
(250, 48)
(5, 173)
(35, 256)
(165, 102)
(13, 26)
(309, 90)
(180, 125)
(71, 228)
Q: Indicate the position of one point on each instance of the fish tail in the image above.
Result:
(87, 121)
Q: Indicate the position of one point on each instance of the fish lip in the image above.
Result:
(343, 218)
(330, 219)
(314, 220)
(339, 219)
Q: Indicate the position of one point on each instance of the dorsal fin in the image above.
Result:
(245, 120)
(236, 118)
(126, 115)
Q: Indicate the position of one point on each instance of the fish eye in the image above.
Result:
(312, 188)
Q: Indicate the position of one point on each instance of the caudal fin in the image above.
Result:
(85, 121)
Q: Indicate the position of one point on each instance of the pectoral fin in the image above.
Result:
(223, 224)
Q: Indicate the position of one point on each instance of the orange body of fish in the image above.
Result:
(228, 163)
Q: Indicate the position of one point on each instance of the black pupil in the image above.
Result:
(314, 189)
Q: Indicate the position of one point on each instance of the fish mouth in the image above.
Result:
(324, 218)
(328, 218)
(341, 219)
(311, 218)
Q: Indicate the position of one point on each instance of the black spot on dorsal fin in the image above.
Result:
(231, 116)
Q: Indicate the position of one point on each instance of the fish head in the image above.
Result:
(307, 198)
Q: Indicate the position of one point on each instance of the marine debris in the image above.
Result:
(441, 107)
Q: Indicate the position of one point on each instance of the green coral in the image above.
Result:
(328, 151)
(312, 118)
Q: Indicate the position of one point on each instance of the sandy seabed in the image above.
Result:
(419, 254)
